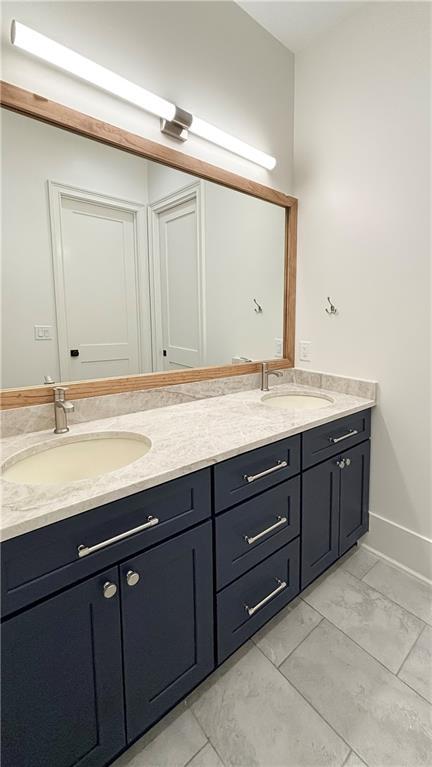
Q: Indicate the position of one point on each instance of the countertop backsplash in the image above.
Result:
(35, 418)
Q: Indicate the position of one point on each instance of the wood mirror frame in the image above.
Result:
(40, 108)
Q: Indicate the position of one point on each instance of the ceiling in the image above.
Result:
(297, 24)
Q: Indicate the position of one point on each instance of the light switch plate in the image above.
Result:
(43, 332)
(305, 351)
(278, 347)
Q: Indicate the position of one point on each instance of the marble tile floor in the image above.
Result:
(341, 678)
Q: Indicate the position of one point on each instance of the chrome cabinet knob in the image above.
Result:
(348, 461)
(341, 463)
(109, 590)
(132, 578)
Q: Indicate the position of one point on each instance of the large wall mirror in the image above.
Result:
(116, 265)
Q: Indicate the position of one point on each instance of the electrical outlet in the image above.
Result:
(305, 351)
(278, 347)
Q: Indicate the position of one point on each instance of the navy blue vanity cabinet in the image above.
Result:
(335, 508)
(62, 686)
(354, 496)
(37, 564)
(328, 440)
(245, 605)
(320, 519)
(251, 531)
(167, 619)
(251, 473)
(113, 616)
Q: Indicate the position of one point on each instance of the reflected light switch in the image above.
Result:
(43, 332)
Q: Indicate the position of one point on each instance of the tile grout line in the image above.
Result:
(374, 588)
(196, 754)
(328, 723)
(401, 607)
(357, 644)
(311, 704)
(359, 578)
(209, 740)
(216, 751)
(409, 651)
(351, 752)
(294, 648)
(277, 665)
(429, 703)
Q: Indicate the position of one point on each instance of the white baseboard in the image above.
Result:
(400, 546)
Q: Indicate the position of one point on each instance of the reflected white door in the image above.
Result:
(179, 283)
(96, 290)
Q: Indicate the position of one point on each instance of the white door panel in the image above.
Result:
(99, 298)
(179, 282)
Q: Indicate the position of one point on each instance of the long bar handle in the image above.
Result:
(252, 610)
(351, 433)
(84, 550)
(253, 477)
(279, 521)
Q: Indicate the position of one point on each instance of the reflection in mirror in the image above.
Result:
(113, 265)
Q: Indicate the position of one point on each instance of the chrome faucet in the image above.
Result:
(265, 373)
(61, 409)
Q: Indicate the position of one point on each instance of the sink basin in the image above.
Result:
(74, 458)
(296, 401)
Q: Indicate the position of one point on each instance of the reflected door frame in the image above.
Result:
(191, 192)
(58, 191)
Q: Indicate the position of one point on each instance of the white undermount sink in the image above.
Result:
(74, 458)
(296, 401)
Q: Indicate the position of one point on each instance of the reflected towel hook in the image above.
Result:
(332, 309)
(259, 309)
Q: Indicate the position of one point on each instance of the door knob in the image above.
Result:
(109, 590)
(132, 578)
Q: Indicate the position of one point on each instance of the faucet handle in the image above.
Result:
(59, 392)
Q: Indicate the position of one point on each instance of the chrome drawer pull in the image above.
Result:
(253, 477)
(351, 433)
(280, 521)
(83, 550)
(252, 610)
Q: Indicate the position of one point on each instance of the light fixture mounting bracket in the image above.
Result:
(177, 127)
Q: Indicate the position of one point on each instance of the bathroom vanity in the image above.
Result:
(112, 615)
(140, 550)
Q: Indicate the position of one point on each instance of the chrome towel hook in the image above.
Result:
(332, 309)
(258, 308)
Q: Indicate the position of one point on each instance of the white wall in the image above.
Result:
(244, 259)
(362, 165)
(32, 154)
(210, 58)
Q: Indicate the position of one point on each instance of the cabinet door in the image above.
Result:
(62, 693)
(354, 496)
(320, 519)
(167, 625)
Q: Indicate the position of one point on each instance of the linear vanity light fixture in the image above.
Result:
(175, 122)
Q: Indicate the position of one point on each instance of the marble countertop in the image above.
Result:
(185, 438)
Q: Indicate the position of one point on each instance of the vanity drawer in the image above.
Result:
(245, 605)
(255, 529)
(246, 475)
(328, 440)
(41, 562)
